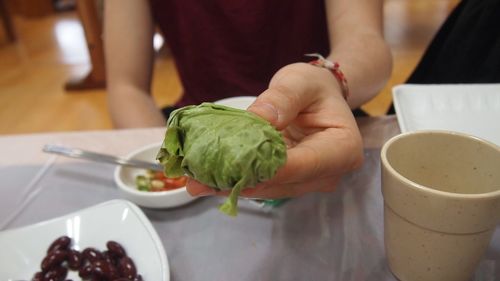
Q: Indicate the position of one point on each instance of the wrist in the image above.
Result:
(334, 68)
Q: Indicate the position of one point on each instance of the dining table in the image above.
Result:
(318, 236)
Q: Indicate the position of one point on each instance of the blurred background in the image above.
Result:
(52, 70)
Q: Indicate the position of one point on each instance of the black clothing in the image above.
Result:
(466, 49)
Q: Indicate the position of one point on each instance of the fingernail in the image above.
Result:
(206, 193)
(266, 111)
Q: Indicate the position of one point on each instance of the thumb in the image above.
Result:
(288, 94)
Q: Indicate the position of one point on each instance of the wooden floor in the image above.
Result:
(52, 49)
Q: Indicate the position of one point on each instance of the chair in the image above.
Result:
(7, 21)
(92, 25)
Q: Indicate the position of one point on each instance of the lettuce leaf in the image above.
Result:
(221, 147)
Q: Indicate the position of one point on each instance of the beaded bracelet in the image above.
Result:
(334, 67)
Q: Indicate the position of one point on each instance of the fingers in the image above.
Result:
(330, 152)
(301, 89)
(271, 189)
(288, 93)
(195, 188)
(305, 103)
(290, 190)
(328, 141)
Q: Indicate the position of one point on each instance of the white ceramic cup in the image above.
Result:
(441, 203)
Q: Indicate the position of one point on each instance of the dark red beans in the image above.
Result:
(61, 243)
(137, 278)
(112, 264)
(86, 271)
(38, 276)
(74, 259)
(105, 269)
(109, 257)
(92, 255)
(53, 259)
(115, 249)
(126, 268)
(56, 274)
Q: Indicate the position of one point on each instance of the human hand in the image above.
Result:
(304, 102)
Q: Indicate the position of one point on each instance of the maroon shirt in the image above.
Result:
(225, 48)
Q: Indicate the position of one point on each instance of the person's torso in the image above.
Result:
(225, 48)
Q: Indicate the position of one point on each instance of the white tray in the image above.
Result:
(468, 108)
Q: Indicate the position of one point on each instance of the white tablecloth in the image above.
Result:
(334, 236)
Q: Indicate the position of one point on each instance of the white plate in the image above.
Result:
(467, 108)
(242, 102)
(23, 249)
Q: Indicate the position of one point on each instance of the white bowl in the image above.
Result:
(125, 179)
(24, 248)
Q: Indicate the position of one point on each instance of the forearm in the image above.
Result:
(131, 107)
(128, 33)
(357, 44)
(366, 62)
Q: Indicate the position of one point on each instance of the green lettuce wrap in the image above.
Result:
(222, 147)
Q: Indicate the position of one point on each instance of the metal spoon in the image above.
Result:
(99, 157)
